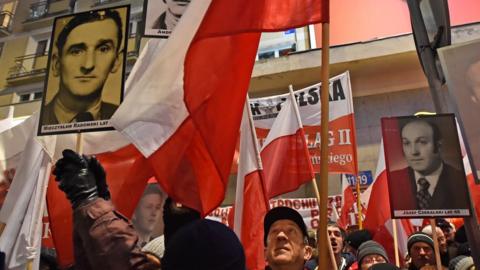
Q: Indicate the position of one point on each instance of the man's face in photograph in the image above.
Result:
(177, 7)
(89, 55)
(148, 213)
(419, 147)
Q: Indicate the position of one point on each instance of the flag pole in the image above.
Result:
(300, 124)
(395, 242)
(438, 261)
(79, 146)
(359, 204)
(315, 187)
(324, 97)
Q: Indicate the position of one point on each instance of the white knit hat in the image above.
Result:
(155, 247)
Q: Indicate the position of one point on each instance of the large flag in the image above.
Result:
(251, 204)
(378, 218)
(176, 113)
(348, 201)
(286, 162)
(22, 212)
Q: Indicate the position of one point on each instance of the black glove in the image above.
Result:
(75, 178)
(96, 168)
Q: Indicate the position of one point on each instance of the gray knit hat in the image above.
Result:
(156, 246)
(368, 248)
(461, 263)
(419, 237)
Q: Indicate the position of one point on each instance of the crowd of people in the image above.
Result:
(104, 239)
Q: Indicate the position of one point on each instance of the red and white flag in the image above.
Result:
(285, 157)
(348, 201)
(172, 113)
(378, 219)
(250, 202)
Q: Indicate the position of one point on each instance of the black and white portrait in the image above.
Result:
(86, 66)
(424, 167)
(161, 16)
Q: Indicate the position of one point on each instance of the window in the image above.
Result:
(30, 96)
(37, 95)
(41, 47)
(24, 97)
(266, 55)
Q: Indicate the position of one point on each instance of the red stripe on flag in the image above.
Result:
(254, 210)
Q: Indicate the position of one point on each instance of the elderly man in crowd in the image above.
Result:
(285, 239)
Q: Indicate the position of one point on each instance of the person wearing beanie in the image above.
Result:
(370, 253)
(420, 249)
(461, 263)
(285, 239)
(204, 244)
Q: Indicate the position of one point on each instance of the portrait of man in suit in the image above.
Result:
(428, 182)
(89, 48)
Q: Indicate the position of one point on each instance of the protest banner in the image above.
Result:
(307, 207)
(342, 157)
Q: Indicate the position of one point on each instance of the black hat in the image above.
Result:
(279, 213)
(442, 223)
(419, 237)
(356, 238)
(368, 248)
(204, 244)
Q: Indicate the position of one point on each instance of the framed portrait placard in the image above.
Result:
(85, 71)
(461, 66)
(426, 177)
(161, 16)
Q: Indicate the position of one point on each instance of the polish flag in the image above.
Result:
(378, 219)
(250, 202)
(184, 110)
(286, 161)
(348, 201)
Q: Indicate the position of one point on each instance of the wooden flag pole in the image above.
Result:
(359, 204)
(324, 96)
(79, 146)
(438, 261)
(395, 242)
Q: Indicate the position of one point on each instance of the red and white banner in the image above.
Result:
(307, 207)
(342, 153)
